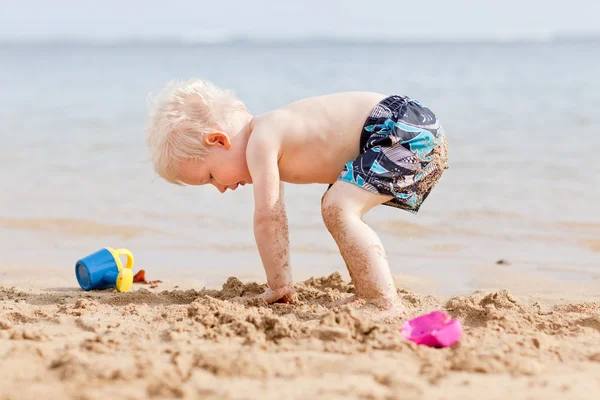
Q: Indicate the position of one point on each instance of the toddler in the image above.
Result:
(369, 149)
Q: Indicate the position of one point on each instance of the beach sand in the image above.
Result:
(174, 342)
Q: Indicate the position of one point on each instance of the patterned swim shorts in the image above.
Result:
(403, 153)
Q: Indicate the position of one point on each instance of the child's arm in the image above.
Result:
(270, 219)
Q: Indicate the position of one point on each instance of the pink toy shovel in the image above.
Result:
(436, 329)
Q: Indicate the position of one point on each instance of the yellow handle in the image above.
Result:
(126, 253)
(122, 252)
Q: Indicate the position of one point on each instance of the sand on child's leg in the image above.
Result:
(343, 207)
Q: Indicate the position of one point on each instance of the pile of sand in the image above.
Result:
(229, 344)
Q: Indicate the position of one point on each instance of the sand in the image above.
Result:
(221, 344)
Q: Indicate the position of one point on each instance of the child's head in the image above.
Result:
(196, 135)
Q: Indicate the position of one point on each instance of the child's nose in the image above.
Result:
(219, 187)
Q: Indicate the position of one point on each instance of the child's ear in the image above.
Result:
(217, 139)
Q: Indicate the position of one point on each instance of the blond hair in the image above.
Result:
(180, 116)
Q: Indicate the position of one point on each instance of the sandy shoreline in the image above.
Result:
(65, 343)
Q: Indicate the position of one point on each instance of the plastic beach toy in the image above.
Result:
(436, 329)
(104, 269)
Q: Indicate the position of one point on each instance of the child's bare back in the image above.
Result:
(318, 135)
(369, 148)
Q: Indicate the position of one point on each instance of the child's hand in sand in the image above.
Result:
(282, 295)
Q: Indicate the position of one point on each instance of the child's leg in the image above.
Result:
(342, 207)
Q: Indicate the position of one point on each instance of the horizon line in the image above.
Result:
(300, 40)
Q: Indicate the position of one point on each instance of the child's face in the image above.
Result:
(223, 166)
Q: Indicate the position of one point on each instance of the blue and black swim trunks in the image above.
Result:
(403, 153)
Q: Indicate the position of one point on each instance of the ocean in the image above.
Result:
(522, 191)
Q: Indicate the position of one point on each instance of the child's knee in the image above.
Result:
(334, 212)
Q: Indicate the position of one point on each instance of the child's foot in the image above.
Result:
(342, 302)
(375, 313)
(374, 309)
(283, 295)
(384, 307)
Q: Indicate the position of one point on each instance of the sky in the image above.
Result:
(200, 20)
